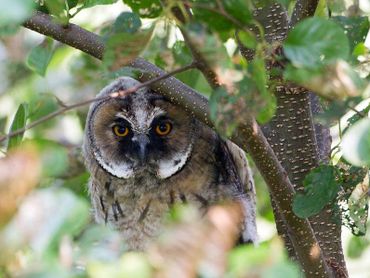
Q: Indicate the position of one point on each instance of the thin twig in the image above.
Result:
(201, 63)
(360, 113)
(121, 93)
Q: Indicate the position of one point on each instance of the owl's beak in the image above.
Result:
(142, 140)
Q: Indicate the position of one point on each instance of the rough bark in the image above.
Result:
(299, 144)
(294, 141)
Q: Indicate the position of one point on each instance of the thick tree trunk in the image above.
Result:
(295, 143)
(299, 144)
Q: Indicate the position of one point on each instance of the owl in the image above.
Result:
(145, 154)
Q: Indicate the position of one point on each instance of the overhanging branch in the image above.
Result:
(71, 34)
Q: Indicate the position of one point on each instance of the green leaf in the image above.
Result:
(285, 3)
(258, 74)
(336, 6)
(54, 157)
(209, 45)
(356, 143)
(357, 246)
(56, 212)
(19, 122)
(145, 8)
(351, 175)
(360, 49)
(336, 109)
(215, 99)
(92, 3)
(181, 53)
(321, 186)
(253, 89)
(40, 57)
(358, 208)
(223, 111)
(57, 8)
(239, 10)
(131, 264)
(354, 197)
(334, 81)
(247, 39)
(127, 22)
(72, 3)
(246, 259)
(75, 183)
(15, 11)
(356, 28)
(282, 270)
(41, 105)
(215, 20)
(99, 243)
(8, 29)
(121, 48)
(70, 215)
(314, 42)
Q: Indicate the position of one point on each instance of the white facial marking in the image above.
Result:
(122, 116)
(120, 171)
(168, 168)
(249, 232)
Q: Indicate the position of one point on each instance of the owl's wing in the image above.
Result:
(247, 194)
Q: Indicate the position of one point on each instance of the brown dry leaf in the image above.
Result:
(339, 81)
(19, 174)
(198, 244)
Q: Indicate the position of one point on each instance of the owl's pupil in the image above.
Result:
(121, 129)
(163, 127)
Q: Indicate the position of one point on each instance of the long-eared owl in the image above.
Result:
(146, 154)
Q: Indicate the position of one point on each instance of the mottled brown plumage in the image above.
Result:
(138, 175)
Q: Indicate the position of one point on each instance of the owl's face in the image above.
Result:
(141, 133)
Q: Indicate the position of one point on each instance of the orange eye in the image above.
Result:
(120, 131)
(163, 129)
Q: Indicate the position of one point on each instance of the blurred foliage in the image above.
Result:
(45, 225)
(321, 186)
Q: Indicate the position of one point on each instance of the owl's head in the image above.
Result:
(137, 133)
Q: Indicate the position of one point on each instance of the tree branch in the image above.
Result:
(201, 62)
(249, 136)
(303, 9)
(66, 108)
(70, 34)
